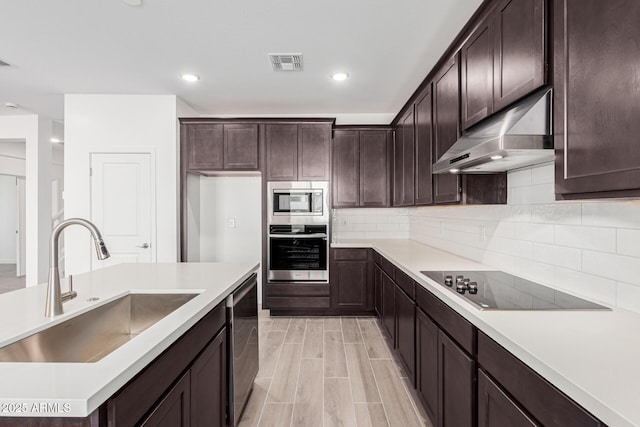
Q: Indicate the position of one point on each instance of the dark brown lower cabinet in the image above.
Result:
(377, 289)
(175, 408)
(389, 307)
(349, 280)
(209, 384)
(427, 364)
(496, 409)
(405, 334)
(457, 372)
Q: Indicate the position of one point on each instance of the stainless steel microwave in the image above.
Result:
(298, 202)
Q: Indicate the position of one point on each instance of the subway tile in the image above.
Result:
(618, 267)
(624, 214)
(558, 255)
(540, 193)
(542, 233)
(628, 242)
(557, 213)
(628, 297)
(536, 271)
(519, 178)
(586, 285)
(499, 261)
(594, 238)
(388, 227)
(543, 174)
(513, 213)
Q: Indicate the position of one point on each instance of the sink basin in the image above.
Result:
(92, 335)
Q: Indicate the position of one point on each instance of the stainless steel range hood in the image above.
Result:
(517, 137)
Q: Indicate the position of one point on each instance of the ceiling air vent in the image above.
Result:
(4, 64)
(286, 61)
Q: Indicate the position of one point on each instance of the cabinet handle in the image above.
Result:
(143, 246)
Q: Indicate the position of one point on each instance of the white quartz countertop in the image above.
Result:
(592, 356)
(77, 389)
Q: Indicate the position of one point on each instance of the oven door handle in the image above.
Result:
(299, 236)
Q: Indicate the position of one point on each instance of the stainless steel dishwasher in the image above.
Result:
(242, 330)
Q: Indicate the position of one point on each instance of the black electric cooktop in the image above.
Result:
(496, 290)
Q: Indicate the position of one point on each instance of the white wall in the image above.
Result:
(36, 132)
(230, 198)
(590, 248)
(8, 219)
(120, 123)
(13, 157)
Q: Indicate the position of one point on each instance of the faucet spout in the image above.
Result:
(54, 300)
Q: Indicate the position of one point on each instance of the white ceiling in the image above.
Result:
(106, 46)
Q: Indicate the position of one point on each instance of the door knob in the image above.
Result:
(143, 246)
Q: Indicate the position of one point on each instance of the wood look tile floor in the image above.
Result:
(331, 371)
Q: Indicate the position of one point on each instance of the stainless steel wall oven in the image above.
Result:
(298, 253)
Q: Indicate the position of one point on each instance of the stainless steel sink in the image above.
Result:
(92, 335)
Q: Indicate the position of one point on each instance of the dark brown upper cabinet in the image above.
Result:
(360, 168)
(298, 152)
(404, 161)
(596, 106)
(424, 149)
(476, 76)
(503, 59)
(446, 124)
(520, 64)
(205, 146)
(221, 146)
(240, 146)
(282, 152)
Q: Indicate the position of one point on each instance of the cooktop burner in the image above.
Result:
(496, 290)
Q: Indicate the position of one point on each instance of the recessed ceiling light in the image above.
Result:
(190, 77)
(133, 2)
(10, 105)
(340, 76)
(56, 140)
(454, 170)
(497, 157)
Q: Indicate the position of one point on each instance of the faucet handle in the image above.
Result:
(71, 294)
(70, 279)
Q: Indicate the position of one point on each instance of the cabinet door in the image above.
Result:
(427, 364)
(282, 152)
(596, 91)
(519, 53)
(205, 146)
(349, 280)
(496, 409)
(240, 146)
(398, 166)
(377, 290)
(406, 338)
(314, 142)
(457, 385)
(389, 307)
(346, 164)
(424, 147)
(408, 159)
(446, 114)
(374, 178)
(209, 389)
(174, 409)
(476, 75)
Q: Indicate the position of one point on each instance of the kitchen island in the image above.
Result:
(590, 356)
(77, 390)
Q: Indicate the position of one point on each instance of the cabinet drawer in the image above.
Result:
(540, 398)
(298, 289)
(406, 283)
(292, 303)
(387, 267)
(451, 322)
(350, 254)
(128, 405)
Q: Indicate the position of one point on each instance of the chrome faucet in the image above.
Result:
(55, 297)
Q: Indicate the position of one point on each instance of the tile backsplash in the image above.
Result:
(588, 248)
(370, 223)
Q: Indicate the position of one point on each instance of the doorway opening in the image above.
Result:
(12, 233)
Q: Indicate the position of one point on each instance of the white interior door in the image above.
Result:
(21, 232)
(121, 206)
